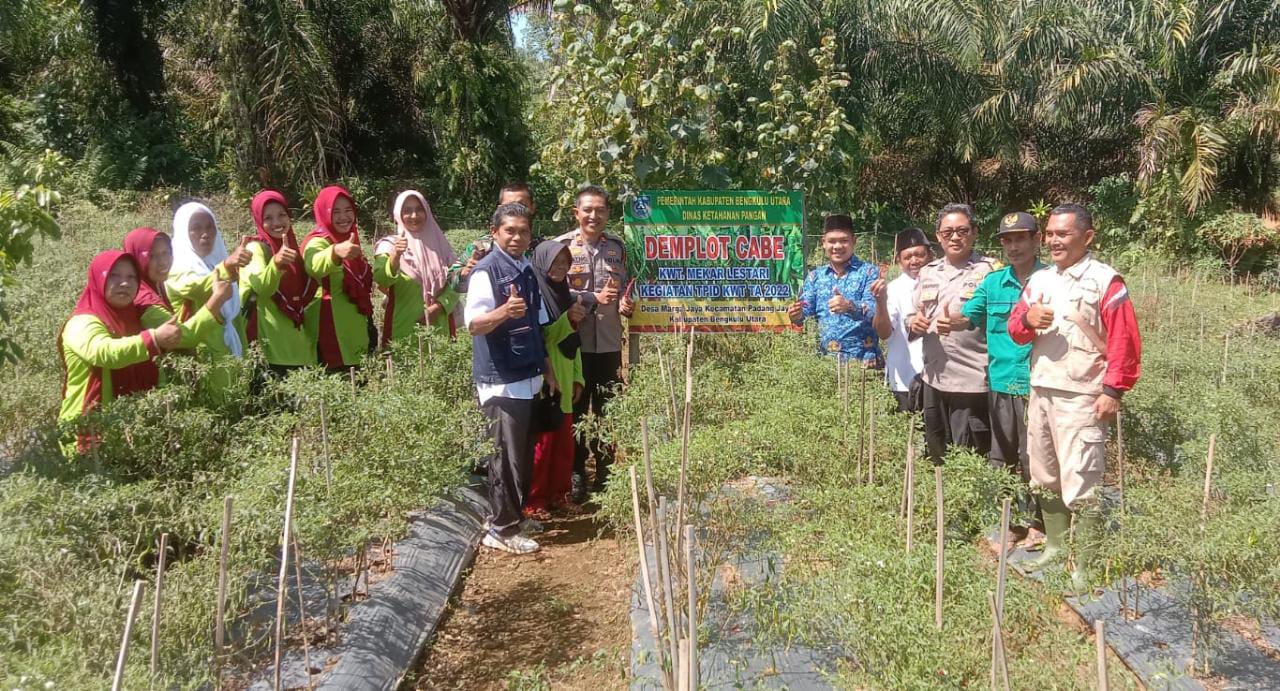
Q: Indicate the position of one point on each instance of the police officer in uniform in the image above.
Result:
(955, 361)
(598, 275)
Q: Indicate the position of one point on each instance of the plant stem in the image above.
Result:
(162, 557)
(282, 584)
(117, 683)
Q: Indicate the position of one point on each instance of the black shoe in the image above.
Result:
(578, 489)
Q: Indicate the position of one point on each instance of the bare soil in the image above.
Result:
(554, 619)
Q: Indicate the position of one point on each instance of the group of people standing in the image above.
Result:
(305, 304)
(546, 333)
(1025, 363)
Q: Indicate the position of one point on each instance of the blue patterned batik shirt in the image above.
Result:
(848, 335)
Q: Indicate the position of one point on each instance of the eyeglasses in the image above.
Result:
(961, 232)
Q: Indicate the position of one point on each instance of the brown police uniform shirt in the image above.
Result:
(592, 267)
(956, 363)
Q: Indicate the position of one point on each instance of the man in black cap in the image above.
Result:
(1008, 364)
(839, 295)
(903, 356)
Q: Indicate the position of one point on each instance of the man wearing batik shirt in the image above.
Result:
(839, 295)
(1086, 352)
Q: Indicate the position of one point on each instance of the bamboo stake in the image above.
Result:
(302, 609)
(670, 394)
(998, 644)
(1120, 458)
(352, 373)
(842, 389)
(117, 683)
(644, 559)
(219, 625)
(155, 610)
(668, 594)
(938, 558)
(1208, 484)
(684, 443)
(420, 362)
(911, 484)
(1000, 581)
(282, 584)
(668, 672)
(862, 418)
(871, 443)
(1100, 641)
(324, 443)
(691, 564)
(1226, 348)
(682, 682)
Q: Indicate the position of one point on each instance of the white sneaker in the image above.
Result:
(515, 544)
(531, 526)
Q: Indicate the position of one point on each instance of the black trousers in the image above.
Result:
(1009, 447)
(902, 397)
(955, 419)
(601, 372)
(510, 469)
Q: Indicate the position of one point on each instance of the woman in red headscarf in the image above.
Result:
(153, 252)
(105, 335)
(343, 321)
(279, 285)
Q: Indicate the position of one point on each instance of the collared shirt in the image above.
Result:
(480, 300)
(1008, 364)
(593, 265)
(848, 334)
(903, 357)
(956, 363)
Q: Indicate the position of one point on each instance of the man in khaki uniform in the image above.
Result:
(599, 275)
(955, 354)
(1086, 351)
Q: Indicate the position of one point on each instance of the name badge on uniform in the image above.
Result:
(928, 295)
(578, 281)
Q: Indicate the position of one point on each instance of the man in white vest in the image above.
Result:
(1085, 353)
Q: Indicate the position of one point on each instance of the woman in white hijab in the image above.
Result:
(200, 258)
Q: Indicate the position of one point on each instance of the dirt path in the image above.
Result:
(555, 619)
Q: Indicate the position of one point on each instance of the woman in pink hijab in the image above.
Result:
(412, 268)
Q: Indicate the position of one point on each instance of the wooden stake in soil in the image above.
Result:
(682, 683)
(644, 558)
(324, 445)
(219, 624)
(302, 610)
(162, 557)
(938, 558)
(690, 561)
(1120, 459)
(998, 644)
(668, 588)
(1208, 484)
(871, 444)
(282, 583)
(1002, 562)
(117, 683)
(862, 418)
(1226, 349)
(684, 442)
(1100, 641)
(910, 487)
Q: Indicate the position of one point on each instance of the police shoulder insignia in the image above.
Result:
(996, 264)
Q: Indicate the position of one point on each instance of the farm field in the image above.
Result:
(76, 538)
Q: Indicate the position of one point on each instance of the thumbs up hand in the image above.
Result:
(795, 311)
(238, 258)
(577, 311)
(515, 307)
(1040, 316)
(838, 304)
(626, 306)
(609, 293)
(285, 257)
(948, 323)
(348, 249)
(168, 335)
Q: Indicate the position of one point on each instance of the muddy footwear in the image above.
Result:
(531, 526)
(515, 544)
(1057, 523)
(1087, 541)
(578, 489)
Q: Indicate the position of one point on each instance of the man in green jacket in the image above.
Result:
(1008, 364)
